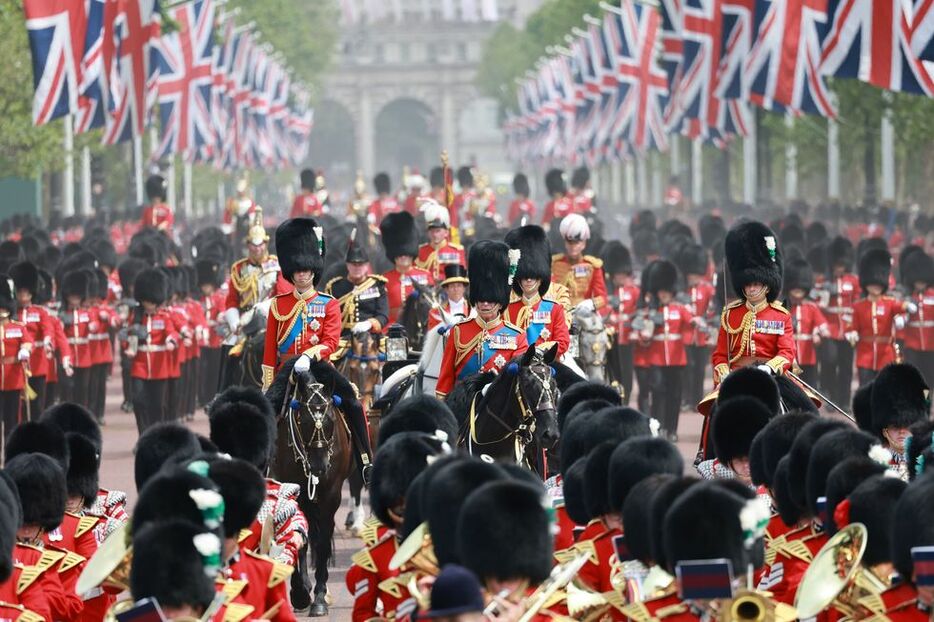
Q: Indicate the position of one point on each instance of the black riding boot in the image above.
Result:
(361, 441)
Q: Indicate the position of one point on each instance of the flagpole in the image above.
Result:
(697, 172)
(86, 181)
(138, 167)
(630, 182)
(887, 136)
(170, 182)
(641, 181)
(189, 206)
(833, 155)
(656, 166)
(674, 150)
(791, 163)
(750, 165)
(68, 183)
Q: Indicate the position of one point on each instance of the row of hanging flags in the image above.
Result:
(643, 72)
(220, 95)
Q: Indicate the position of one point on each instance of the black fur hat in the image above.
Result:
(817, 258)
(168, 496)
(75, 283)
(793, 396)
(862, 407)
(735, 424)
(167, 566)
(127, 271)
(156, 187)
(612, 424)
(419, 413)
(645, 244)
(436, 177)
(900, 397)
(575, 503)
(400, 237)
(875, 267)
(840, 252)
(504, 532)
(535, 261)
(250, 395)
(636, 459)
(25, 275)
(382, 183)
(11, 516)
(921, 438)
(151, 285)
(105, 252)
(159, 444)
(637, 514)
(873, 504)
(917, 268)
(753, 255)
(597, 480)
(465, 177)
(665, 497)
(799, 275)
(913, 524)
(692, 259)
(83, 478)
(40, 484)
(704, 523)
(842, 480)
(444, 496)
(797, 467)
(300, 246)
(38, 437)
(583, 391)
(554, 182)
(815, 233)
(711, 230)
(307, 179)
(775, 440)
(579, 177)
(488, 270)
(520, 185)
(209, 272)
(754, 383)
(659, 275)
(243, 489)
(241, 430)
(792, 235)
(46, 288)
(616, 258)
(828, 451)
(397, 462)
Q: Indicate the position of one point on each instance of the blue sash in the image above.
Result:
(286, 345)
(534, 331)
(475, 364)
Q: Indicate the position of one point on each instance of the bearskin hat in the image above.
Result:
(645, 244)
(151, 285)
(535, 261)
(241, 430)
(418, 413)
(400, 237)
(127, 271)
(436, 177)
(520, 185)
(397, 462)
(899, 398)
(168, 496)
(580, 177)
(10, 519)
(597, 480)
(704, 523)
(797, 468)
(754, 383)
(575, 504)
(735, 423)
(159, 444)
(243, 489)
(692, 259)
(82, 478)
(711, 230)
(753, 255)
(828, 451)
(554, 182)
(356, 252)
(44, 292)
(105, 252)
(799, 275)
(873, 504)
(660, 275)
(664, 498)
(168, 567)
(918, 267)
(637, 511)
(25, 275)
(875, 267)
(40, 483)
(862, 407)
(843, 480)
(465, 177)
(913, 524)
(774, 441)
(815, 233)
(840, 252)
(209, 272)
(792, 235)
(584, 391)
(250, 395)
(921, 439)
(156, 187)
(506, 516)
(611, 424)
(616, 258)
(307, 179)
(76, 283)
(488, 269)
(636, 459)
(300, 246)
(382, 183)
(39, 437)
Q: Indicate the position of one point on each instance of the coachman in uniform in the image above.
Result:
(542, 318)
(581, 274)
(400, 239)
(439, 251)
(484, 342)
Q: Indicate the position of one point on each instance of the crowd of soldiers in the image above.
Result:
(789, 510)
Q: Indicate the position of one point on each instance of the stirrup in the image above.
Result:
(366, 473)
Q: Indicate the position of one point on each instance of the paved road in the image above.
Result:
(117, 473)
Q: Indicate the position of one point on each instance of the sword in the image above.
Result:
(823, 397)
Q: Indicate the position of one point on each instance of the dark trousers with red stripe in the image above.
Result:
(9, 412)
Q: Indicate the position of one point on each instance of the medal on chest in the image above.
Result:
(770, 327)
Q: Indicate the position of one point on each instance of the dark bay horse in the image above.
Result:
(314, 450)
(414, 315)
(514, 420)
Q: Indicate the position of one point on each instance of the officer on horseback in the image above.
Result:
(304, 322)
(362, 296)
(581, 274)
(400, 239)
(439, 252)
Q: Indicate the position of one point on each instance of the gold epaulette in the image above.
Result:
(797, 548)
(379, 278)
(280, 572)
(237, 612)
(27, 576)
(557, 257)
(734, 304)
(49, 558)
(70, 561)
(512, 326)
(393, 585)
(363, 559)
(231, 588)
(779, 307)
(243, 535)
(369, 533)
(25, 615)
(873, 603)
(327, 286)
(85, 524)
(596, 262)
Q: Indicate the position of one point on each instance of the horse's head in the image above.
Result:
(539, 392)
(312, 424)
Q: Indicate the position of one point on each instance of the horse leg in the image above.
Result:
(327, 506)
(354, 520)
(300, 583)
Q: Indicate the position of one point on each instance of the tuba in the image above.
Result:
(561, 577)
(753, 606)
(416, 557)
(110, 565)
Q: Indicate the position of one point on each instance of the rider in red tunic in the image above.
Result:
(400, 239)
(158, 214)
(561, 204)
(439, 251)
(522, 206)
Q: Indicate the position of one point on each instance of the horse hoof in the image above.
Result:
(349, 521)
(301, 600)
(320, 607)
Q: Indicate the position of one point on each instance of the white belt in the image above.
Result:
(804, 337)
(666, 337)
(925, 324)
(152, 348)
(78, 341)
(98, 337)
(839, 310)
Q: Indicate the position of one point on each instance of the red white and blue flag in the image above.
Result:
(94, 100)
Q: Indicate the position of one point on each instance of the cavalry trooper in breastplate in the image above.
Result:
(253, 279)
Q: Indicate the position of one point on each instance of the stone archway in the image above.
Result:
(407, 133)
(333, 145)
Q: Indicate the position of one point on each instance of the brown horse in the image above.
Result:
(314, 450)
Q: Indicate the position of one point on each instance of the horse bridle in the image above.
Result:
(319, 439)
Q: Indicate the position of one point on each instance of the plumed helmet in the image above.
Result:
(574, 227)
(520, 185)
(356, 252)
(488, 267)
(554, 182)
(875, 268)
(300, 246)
(156, 187)
(400, 237)
(506, 516)
(900, 397)
(754, 256)
(436, 215)
(151, 285)
(616, 258)
(382, 183)
(535, 261)
(799, 275)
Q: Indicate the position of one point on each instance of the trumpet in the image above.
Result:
(752, 606)
(561, 576)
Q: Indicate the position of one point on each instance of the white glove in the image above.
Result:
(586, 306)
(232, 317)
(23, 355)
(765, 368)
(263, 307)
(362, 327)
(302, 365)
(900, 322)
(66, 367)
(912, 307)
(852, 337)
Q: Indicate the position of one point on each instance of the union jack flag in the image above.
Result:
(185, 79)
(922, 30)
(56, 39)
(133, 26)
(782, 70)
(94, 100)
(871, 40)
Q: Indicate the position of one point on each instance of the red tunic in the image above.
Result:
(308, 323)
(556, 209)
(747, 337)
(582, 203)
(77, 330)
(159, 217)
(434, 316)
(288, 519)
(62, 348)
(473, 347)
(370, 581)
(102, 320)
(919, 333)
(154, 358)
(35, 591)
(700, 295)
(399, 287)
(520, 208)
(306, 204)
(381, 207)
(543, 321)
(584, 279)
(41, 330)
(666, 347)
(792, 558)
(434, 259)
(214, 306)
(199, 324)
(14, 336)
(620, 316)
(810, 325)
(265, 585)
(839, 306)
(874, 323)
(233, 300)
(114, 288)
(898, 604)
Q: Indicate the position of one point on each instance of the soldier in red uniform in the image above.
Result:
(455, 303)
(439, 251)
(581, 274)
(561, 204)
(836, 299)
(61, 356)
(464, 198)
(74, 291)
(522, 208)
(209, 280)
(16, 346)
(581, 193)
(41, 329)
(306, 202)
(876, 317)
(384, 203)
(808, 319)
(484, 342)
(414, 192)
(400, 240)
(158, 214)
(155, 337)
(694, 263)
(623, 298)
(917, 275)
(103, 322)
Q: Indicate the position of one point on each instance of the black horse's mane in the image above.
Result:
(458, 400)
(322, 372)
(565, 376)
